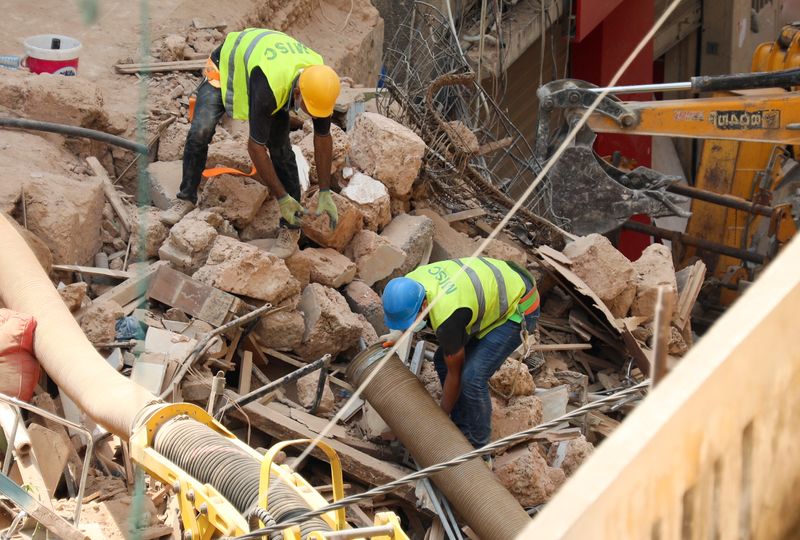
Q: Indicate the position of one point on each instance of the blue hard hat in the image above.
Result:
(402, 300)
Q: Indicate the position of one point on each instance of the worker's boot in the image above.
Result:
(286, 243)
(176, 212)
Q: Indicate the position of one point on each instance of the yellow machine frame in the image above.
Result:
(206, 514)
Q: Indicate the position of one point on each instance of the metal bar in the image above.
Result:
(729, 201)
(267, 388)
(675, 236)
(364, 532)
(11, 438)
(446, 524)
(89, 445)
(644, 88)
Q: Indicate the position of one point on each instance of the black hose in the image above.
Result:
(213, 459)
(64, 129)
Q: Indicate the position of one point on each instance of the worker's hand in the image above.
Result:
(326, 205)
(388, 340)
(291, 210)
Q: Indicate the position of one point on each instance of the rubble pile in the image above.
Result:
(146, 294)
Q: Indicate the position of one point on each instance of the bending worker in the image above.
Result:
(260, 75)
(482, 310)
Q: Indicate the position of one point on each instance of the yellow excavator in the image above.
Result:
(745, 204)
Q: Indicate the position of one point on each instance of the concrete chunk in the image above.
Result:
(265, 223)
(387, 151)
(448, 243)
(240, 268)
(236, 198)
(330, 326)
(654, 269)
(512, 379)
(516, 414)
(73, 295)
(375, 256)
(282, 331)
(604, 269)
(414, 236)
(372, 199)
(164, 179)
(317, 228)
(148, 233)
(98, 321)
(365, 301)
(329, 267)
(307, 393)
(525, 473)
(188, 244)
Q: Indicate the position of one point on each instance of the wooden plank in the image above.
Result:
(197, 299)
(690, 281)
(93, 271)
(111, 194)
(160, 67)
(555, 255)
(716, 414)
(44, 401)
(465, 214)
(355, 463)
(297, 363)
(60, 527)
(127, 293)
(562, 347)
(52, 453)
(245, 372)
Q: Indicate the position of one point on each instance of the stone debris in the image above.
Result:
(236, 198)
(164, 182)
(329, 267)
(568, 455)
(340, 149)
(387, 151)
(512, 379)
(372, 200)
(317, 228)
(516, 414)
(363, 300)
(526, 474)
(654, 269)
(264, 224)
(98, 321)
(375, 256)
(307, 394)
(330, 326)
(282, 331)
(188, 244)
(73, 295)
(240, 268)
(414, 236)
(148, 233)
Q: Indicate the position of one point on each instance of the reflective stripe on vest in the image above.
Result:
(279, 56)
(488, 287)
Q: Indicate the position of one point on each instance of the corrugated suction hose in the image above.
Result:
(212, 459)
(431, 437)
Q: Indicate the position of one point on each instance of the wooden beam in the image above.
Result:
(245, 373)
(562, 347)
(127, 293)
(93, 271)
(160, 67)
(355, 463)
(690, 281)
(464, 214)
(297, 363)
(111, 194)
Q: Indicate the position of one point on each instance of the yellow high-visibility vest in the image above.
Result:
(279, 56)
(488, 287)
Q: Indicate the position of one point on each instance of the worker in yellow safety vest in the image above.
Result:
(481, 310)
(259, 75)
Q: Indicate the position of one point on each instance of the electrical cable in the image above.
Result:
(434, 469)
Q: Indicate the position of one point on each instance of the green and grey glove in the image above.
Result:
(291, 210)
(326, 205)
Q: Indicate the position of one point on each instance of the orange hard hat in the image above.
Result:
(319, 86)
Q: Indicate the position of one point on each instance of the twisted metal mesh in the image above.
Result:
(476, 155)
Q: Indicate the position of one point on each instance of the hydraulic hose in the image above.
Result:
(214, 460)
(60, 345)
(75, 131)
(429, 435)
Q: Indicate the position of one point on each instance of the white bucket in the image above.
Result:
(41, 58)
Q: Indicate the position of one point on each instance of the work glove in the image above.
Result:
(388, 340)
(326, 205)
(291, 210)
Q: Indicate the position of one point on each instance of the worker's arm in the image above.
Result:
(264, 168)
(452, 382)
(323, 154)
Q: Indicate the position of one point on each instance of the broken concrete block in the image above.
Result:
(236, 198)
(517, 414)
(317, 228)
(240, 268)
(512, 379)
(677, 345)
(174, 48)
(330, 326)
(365, 301)
(387, 151)
(98, 321)
(503, 250)
(340, 148)
(282, 330)
(525, 473)
(148, 233)
(39, 248)
(229, 153)
(73, 295)
(307, 393)
(568, 455)
(371, 198)
(604, 269)
(164, 179)
(554, 401)
(265, 223)
(414, 236)
(66, 215)
(299, 264)
(654, 269)
(216, 220)
(329, 267)
(375, 256)
(448, 243)
(188, 244)
(172, 141)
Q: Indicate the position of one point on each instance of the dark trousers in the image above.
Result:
(472, 412)
(208, 110)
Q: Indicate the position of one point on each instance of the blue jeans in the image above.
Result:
(208, 111)
(472, 412)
